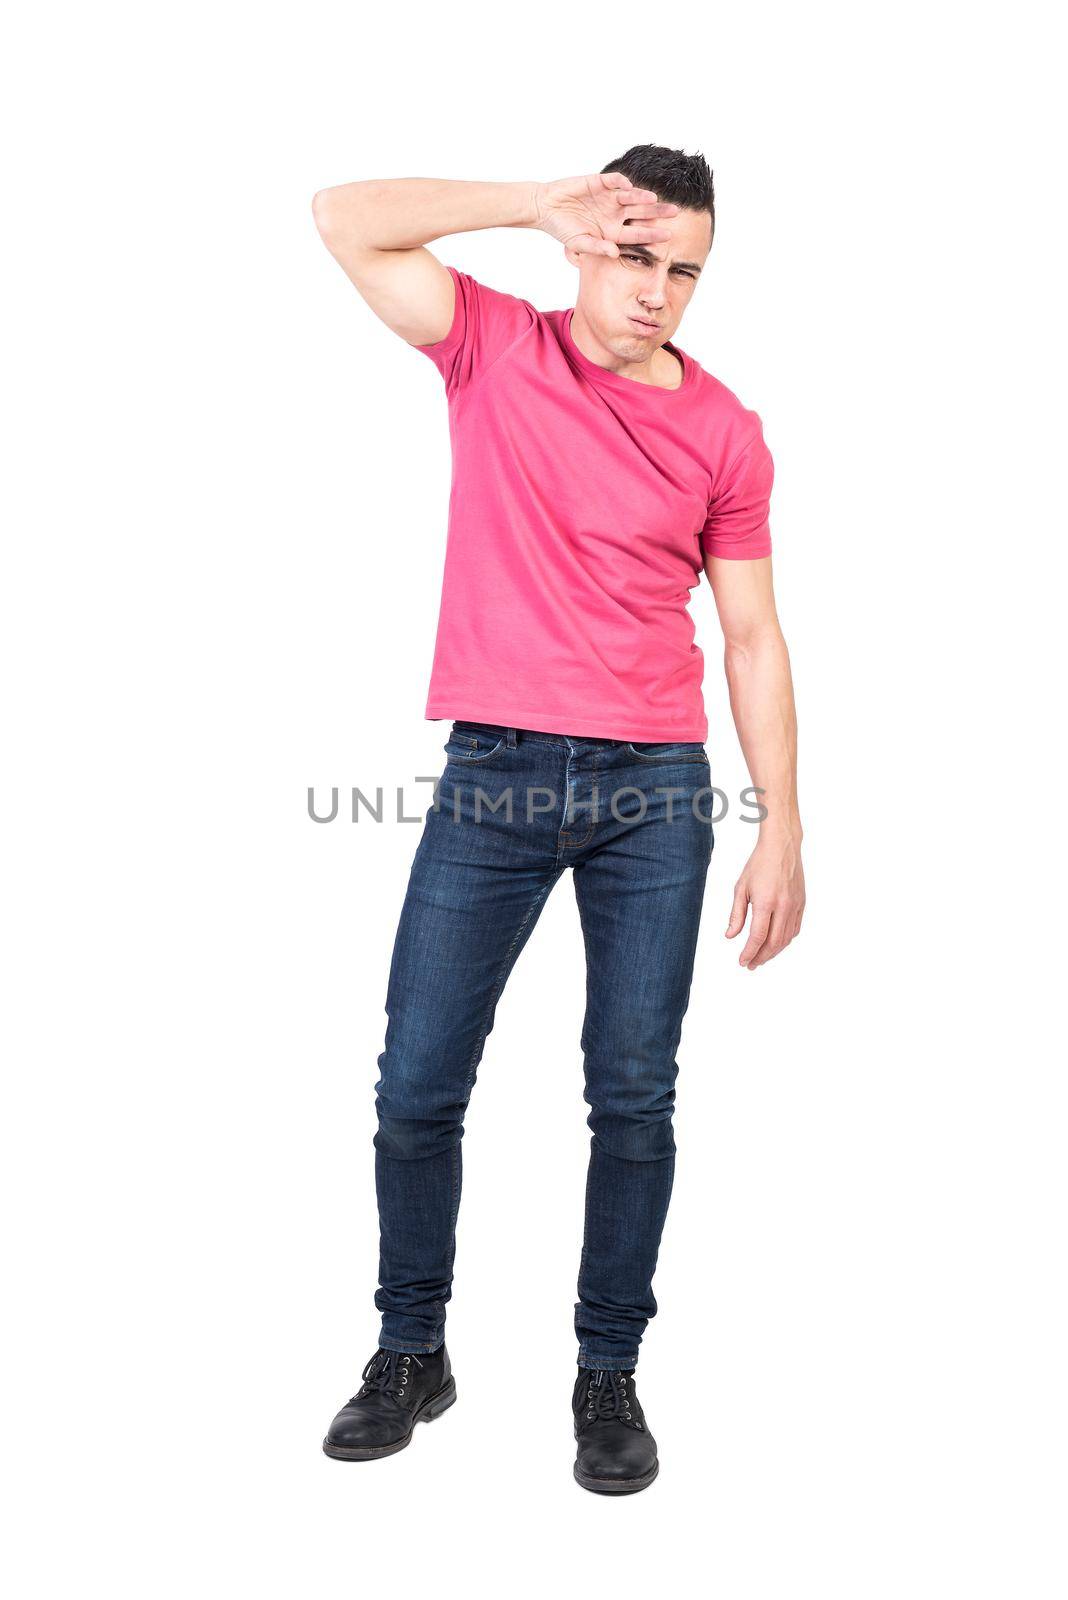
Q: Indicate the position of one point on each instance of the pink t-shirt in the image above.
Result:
(582, 504)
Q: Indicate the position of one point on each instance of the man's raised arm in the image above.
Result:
(377, 230)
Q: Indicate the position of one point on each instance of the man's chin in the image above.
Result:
(632, 347)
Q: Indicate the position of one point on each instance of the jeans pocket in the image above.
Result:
(463, 747)
(670, 753)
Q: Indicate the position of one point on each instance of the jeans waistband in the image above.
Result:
(514, 736)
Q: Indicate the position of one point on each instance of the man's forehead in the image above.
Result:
(691, 238)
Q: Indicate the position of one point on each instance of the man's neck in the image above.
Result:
(661, 370)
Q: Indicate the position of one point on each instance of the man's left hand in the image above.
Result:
(773, 883)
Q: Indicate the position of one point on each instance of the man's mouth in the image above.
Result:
(645, 325)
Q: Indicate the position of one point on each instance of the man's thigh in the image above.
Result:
(474, 894)
(640, 895)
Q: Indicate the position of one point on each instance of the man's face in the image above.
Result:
(633, 302)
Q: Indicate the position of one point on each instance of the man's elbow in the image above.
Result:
(747, 644)
(339, 214)
(325, 212)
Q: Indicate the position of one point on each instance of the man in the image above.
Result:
(596, 469)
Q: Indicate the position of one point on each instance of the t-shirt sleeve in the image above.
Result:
(737, 526)
(485, 322)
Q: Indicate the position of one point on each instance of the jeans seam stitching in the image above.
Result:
(582, 1046)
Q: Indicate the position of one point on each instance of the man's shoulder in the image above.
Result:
(723, 425)
(723, 401)
(472, 286)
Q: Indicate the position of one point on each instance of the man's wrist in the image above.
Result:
(531, 205)
(779, 828)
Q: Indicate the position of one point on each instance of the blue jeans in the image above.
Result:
(513, 810)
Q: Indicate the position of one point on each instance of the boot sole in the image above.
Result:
(431, 1407)
(616, 1485)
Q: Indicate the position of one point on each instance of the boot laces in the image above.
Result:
(388, 1372)
(609, 1395)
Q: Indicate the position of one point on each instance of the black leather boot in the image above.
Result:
(616, 1451)
(398, 1391)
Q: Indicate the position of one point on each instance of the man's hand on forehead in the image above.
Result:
(595, 214)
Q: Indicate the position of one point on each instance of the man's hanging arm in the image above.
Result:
(757, 665)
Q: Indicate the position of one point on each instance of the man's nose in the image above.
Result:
(654, 293)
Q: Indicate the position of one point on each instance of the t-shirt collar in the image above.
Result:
(616, 380)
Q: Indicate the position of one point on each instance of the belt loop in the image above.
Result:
(511, 738)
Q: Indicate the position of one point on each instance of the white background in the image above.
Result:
(223, 554)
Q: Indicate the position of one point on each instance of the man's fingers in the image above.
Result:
(736, 920)
(779, 935)
(587, 244)
(758, 932)
(624, 190)
(638, 233)
(638, 213)
(784, 929)
(638, 197)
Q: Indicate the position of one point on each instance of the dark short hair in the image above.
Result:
(672, 175)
